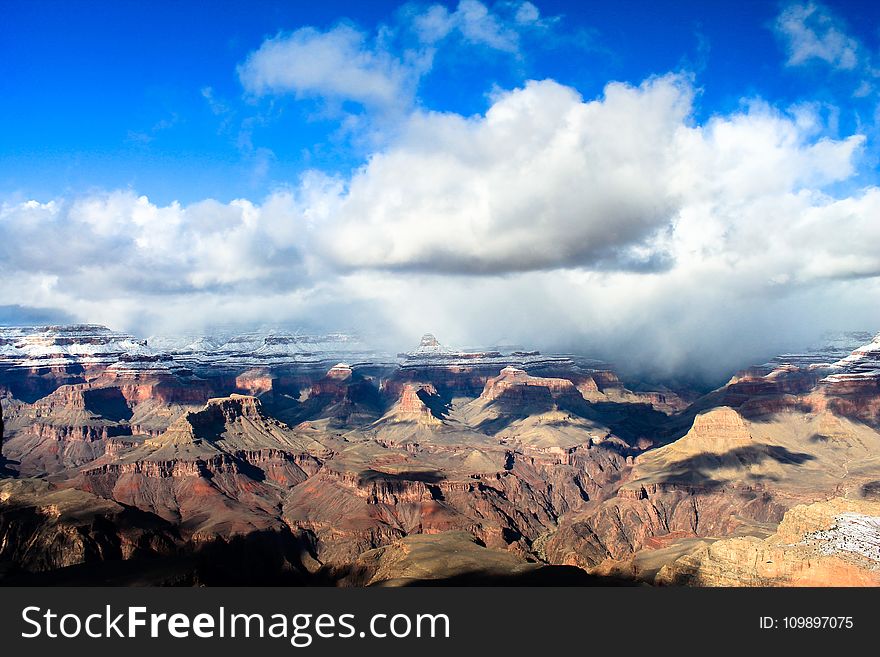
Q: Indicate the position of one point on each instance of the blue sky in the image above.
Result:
(673, 185)
(111, 95)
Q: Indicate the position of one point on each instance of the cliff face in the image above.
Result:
(517, 382)
(726, 475)
(43, 528)
(831, 543)
(419, 403)
(535, 458)
(620, 528)
(452, 555)
(77, 423)
(218, 471)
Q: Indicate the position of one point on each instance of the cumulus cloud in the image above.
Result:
(339, 63)
(617, 225)
(117, 245)
(542, 180)
(545, 180)
(810, 32)
(381, 70)
(498, 28)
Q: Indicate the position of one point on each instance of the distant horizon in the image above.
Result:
(394, 350)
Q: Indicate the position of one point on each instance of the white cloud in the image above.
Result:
(339, 64)
(117, 244)
(476, 24)
(545, 180)
(619, 224)
(527, 14)
(346, 63)
(218, 107)
(811, 32)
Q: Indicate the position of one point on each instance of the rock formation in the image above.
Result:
(830, 543)
(452, 555)
(43, 528)
(346, 465)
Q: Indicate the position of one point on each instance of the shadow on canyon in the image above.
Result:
(423, 476)
(871, 490)
(260, 558)
(633, 421)
(697, 470)
(108, 403)
(543, 576)
(630, 422)
(271, 558)
(8, 467)
(439, 405)
(33, 388)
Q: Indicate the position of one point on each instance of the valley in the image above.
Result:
(282, 458)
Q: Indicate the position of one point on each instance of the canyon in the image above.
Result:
(275, 457)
